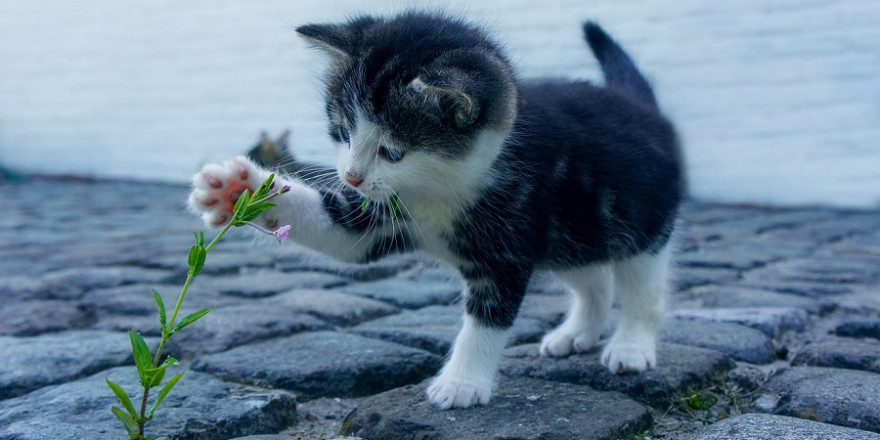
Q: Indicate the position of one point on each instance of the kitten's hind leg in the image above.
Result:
(592, 289)
(642, 283)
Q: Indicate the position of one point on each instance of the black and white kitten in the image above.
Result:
(498, 177)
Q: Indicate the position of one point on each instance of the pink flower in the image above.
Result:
(282, 233)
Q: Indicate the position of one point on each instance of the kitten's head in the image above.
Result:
(421, 103)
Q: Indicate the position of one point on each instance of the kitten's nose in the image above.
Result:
(353, 179)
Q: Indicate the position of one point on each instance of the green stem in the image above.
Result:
(166, 335)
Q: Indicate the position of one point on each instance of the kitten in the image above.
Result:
(497, 176)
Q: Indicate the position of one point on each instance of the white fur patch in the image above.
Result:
(468, 377)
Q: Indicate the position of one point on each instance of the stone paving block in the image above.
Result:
(72, 283)
(331, 306)
(521, 409)
(859, 328)
(689, 277)
(199, 407)
(740, 342)
(773, 321)
(736, 297)
(709, 257)
(765, 426)
(841, 353)
(323, 364)
(829, 395)
(231, 326)
(18, 287)
(137, 299)
(263, 283)
(434, 328)
(680, 369)
(819, 270)
(305, 261)
(29, 363)
(547, 308)
(30, 318)
(407, 293)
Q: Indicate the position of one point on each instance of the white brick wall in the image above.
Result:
(777, 101)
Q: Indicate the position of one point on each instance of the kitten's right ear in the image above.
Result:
(339, 40)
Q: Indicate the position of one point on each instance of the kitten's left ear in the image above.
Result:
(464, 107)
(339, 40)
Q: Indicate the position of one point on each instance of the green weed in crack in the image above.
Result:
(150, 371)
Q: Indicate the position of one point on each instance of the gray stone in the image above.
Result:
(323, 364)
(72, 283)
(859, 328)
(740, 342)
(29, 318)
(263, 283)
(520, 409)
(767, 427)
(227, 327)
(334, 307)
(689, 277)
(200, 407)
(384, 268)
(737, 297)
(434, 328)
(137, 299)
(547, 308)
(709, 257)
(407, 293)
(33, 362)
(841, 353)
(680, 369)
(18, 287)
(773, 321)
(830, 395)
(820, 270)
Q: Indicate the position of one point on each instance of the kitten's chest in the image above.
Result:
(431, 224)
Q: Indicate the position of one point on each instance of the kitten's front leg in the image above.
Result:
(309, 211)
(468, 377)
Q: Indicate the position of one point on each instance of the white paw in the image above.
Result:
(218, 186)
(455, 393)
(562, 342)
(630, 356)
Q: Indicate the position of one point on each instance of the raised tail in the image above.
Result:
(619, 69)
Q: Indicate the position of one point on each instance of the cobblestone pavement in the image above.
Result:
(772, 332)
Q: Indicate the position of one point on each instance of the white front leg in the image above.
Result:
(468, 378)
(218, 186)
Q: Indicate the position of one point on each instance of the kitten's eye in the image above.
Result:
(343, 133)
(389, 155)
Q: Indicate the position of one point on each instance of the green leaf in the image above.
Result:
(123, 398)
(142, 358)
(127, 421)
(163, 319)
(255, 210)
(162, 393)
(242, 202)
(264, 188)
(365, 205)
(197, 255)
(191, 318)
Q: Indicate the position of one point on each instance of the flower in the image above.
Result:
(282, 233)
(284, 189)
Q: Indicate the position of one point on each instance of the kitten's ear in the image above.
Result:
(449, 97)
(339, 40)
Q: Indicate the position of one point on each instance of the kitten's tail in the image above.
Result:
(619, 69)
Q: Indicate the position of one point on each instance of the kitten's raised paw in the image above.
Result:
(562, 342)
(449, 393)
(629, 357)
(218, 186)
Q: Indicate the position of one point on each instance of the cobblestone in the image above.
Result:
(773, 311)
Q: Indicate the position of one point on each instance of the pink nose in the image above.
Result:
(353, 179)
